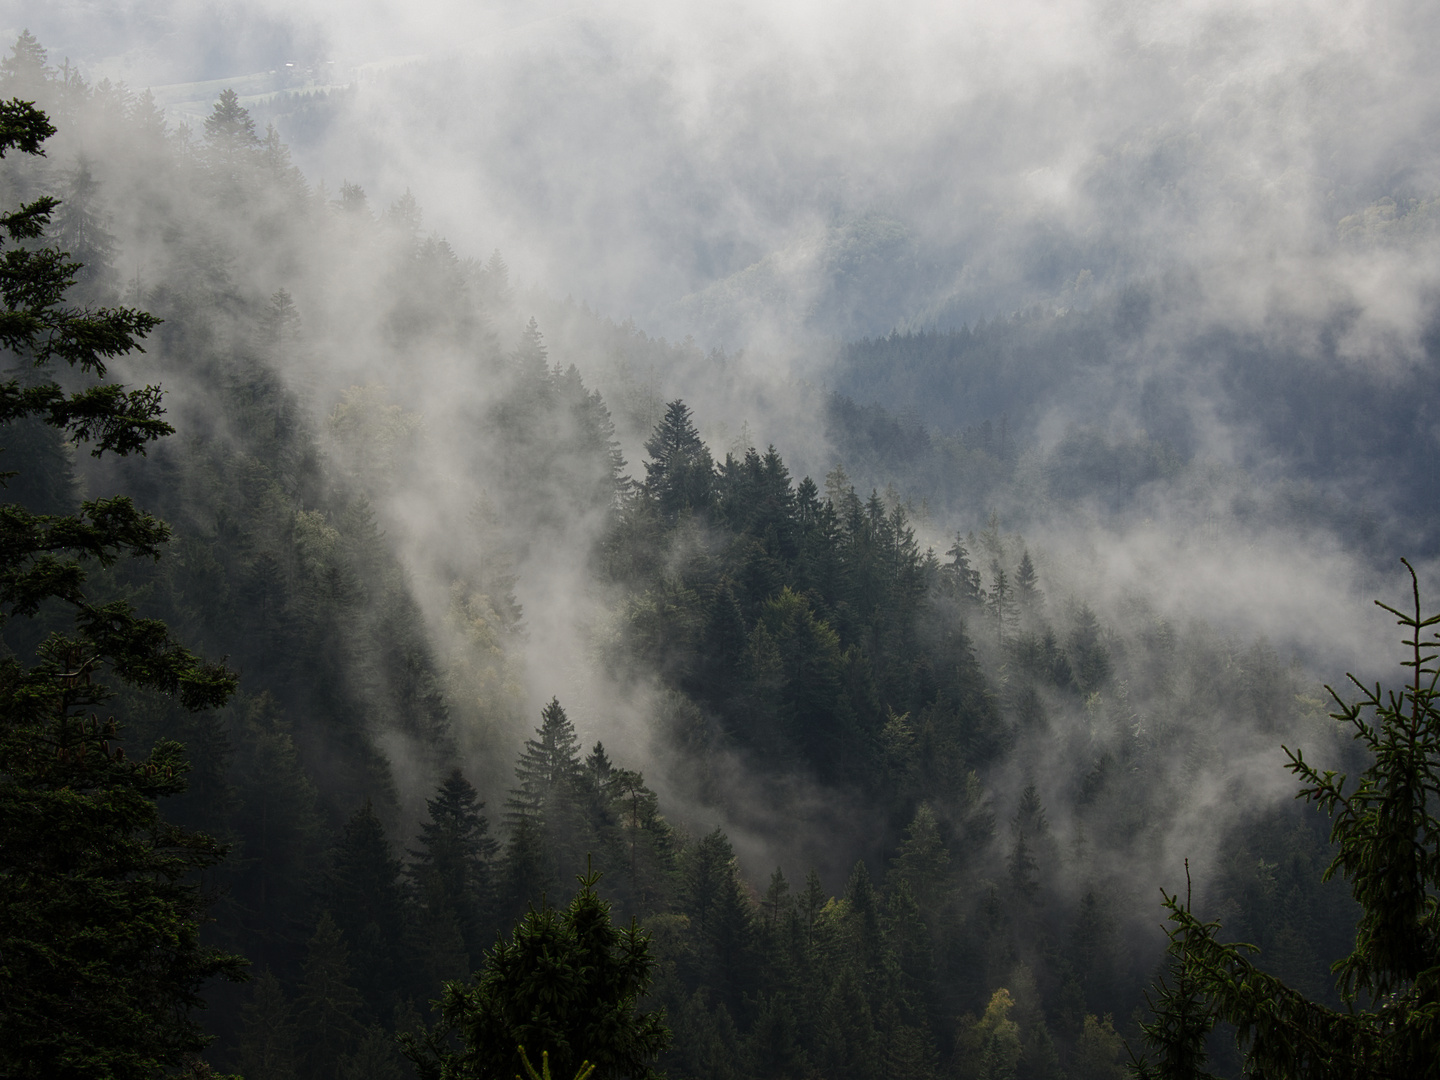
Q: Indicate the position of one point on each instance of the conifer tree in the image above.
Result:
(100, 958)
(812, 902)
(1088, 657)
(229, 122)
(720, 920)
(568, 984)
(364, 890)
(268, 1042)
(147, 121)
(328, 1007)
(1387, 839)
(1180, 1021)
(549, 833)
(353, 201)
(26, 73)
(231, 145)
(79, 229)
(1028, 597)
(376, 1057)
(862, 909)
(282, 327)
(923, 864)
(452, 869)
(532, 358)
(777, 901)
(680, 475)
(1000, 602)
(962, 579)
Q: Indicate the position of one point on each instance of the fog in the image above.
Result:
(640, 155)
(772, 178)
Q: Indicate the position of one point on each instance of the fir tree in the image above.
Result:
(99, 911)
(364, 889)
(1387, 840)
(26, 73)
(680, 475)
(328, 1006)
(960, 577)
(453, 867)
(268, 1042)
(568, 984)
(549, 833)
(1028, 597)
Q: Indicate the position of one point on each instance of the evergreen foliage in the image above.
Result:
(100, 955)
(1387, 841)
(680, 473)
(453, 871)
(567, 981)
(546, 812)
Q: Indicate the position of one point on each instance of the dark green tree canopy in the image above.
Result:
(567, 983)
(680, 474)
(100, 957)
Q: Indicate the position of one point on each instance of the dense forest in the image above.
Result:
(893, 793)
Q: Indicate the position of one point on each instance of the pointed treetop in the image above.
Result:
(353, 199)
(404, 214)
(1027, 585)
(553, 757)
(531, 356)
(25, 71)
(681, 474)
(229, 123)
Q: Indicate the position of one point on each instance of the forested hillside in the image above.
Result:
(889, 789)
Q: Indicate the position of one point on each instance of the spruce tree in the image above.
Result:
(1089, 658)
(680, 475)
(960, 578)
(1000, 602)
(229, 122)
(568, 984)
(531, 357)
(1387, 840)
(80, 231)
(328, 1008)
(1181, 1019)
(367, 898)
(26, 73)
(720, 921)
(100, 957)
(267, 1045)
(1028, 597)
(452, 870)
(549, 831)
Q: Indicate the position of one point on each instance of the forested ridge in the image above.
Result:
(993, 772)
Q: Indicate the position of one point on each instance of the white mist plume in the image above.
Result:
(638, 154)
